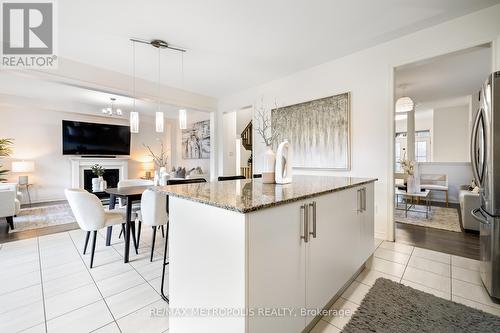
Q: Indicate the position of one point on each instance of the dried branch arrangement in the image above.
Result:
(161, 159)
(264, 125)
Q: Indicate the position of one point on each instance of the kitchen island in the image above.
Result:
(251, 257)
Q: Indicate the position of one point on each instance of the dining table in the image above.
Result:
(129, 195)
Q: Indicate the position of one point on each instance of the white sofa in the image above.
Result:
(468, 201)
(10, 202)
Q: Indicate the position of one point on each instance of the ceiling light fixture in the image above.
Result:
(111, 110)
(134, 115)
(404, 104)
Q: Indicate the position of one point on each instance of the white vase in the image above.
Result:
(268, 167)
(410, 184)
(95, 184)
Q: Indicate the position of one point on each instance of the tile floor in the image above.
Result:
(47, 286)
(447, 276)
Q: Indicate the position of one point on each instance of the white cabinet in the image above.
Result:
(287, 269)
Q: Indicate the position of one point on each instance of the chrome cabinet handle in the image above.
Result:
(359, 209)
(473, 143)
(481, 219)
(313, 206)
(304, 217)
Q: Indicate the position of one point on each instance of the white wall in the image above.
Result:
(423, 121)
(459, 173)
(37, 136)
(451, 134)
(229, 143)
(368, 74)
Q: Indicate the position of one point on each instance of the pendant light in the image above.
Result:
(182, 112)
(405, 103)
(134, 115)
(160, 117)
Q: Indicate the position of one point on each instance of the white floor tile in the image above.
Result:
(465, 263)
(22, 318)
(20, 282)
(472, 292)
(156, 283)
(118, 283)
(398, 247)
(369, 276)
(430, 266)
(476, 305)
(142, 320)
(85, 319)
(40, 328)
(110, 328)
(151, 271)
(62, 270)
(428, 279)
(356, 292)
(21, 297)
(341, 312)
(66, 283)
(466, 275)
(432, 255)
(324, 327)
(387, 267)
(105, 271)
(131, 300)
(71, 300)
(435, 292)
(377, 242)
(393, 256)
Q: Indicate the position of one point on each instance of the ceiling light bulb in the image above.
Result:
(160, 120)
(134, 122)
(104, 111)
(119, 112)
(182, 119)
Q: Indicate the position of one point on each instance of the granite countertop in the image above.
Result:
(249, 195)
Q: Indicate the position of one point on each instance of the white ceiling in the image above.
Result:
(237, 44)
(446, 77)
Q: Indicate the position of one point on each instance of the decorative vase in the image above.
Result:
(410, 184)
(156, 179)
(268, 167)
(95, 184)
(101, 184)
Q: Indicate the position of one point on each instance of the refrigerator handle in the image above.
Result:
(473, 142)
(476, 212)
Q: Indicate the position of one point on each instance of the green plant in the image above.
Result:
(5, 150)
(98, 170)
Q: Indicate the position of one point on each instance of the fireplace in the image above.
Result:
(111, 176)
(81, 174)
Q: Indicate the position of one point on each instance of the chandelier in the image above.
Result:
(111, 110)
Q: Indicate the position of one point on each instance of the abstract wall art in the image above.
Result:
(319, 132)
(196, 141)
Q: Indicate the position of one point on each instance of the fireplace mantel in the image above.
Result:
(78, 164)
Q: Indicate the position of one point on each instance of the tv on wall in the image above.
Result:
(80, 138)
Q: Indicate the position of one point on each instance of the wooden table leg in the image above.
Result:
(127, 232)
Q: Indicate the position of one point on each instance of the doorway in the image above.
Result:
(435, 104)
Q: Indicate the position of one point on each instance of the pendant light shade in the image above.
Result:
(160, 121)
(404, 104)
(182, 119)
(134, 122)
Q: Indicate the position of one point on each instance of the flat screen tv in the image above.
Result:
(80, 138)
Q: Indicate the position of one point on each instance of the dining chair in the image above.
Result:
(223, 178)
(135, 207)
(153, 213)
(165, 262)
(91, 215)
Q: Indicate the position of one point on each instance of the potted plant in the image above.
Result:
(5, 151)
(98, 183)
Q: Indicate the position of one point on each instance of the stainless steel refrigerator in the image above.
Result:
(485, 158)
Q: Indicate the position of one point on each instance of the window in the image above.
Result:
(421, 151)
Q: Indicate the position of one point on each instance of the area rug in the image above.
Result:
(439, 218)
(42, 217)
(391, 307)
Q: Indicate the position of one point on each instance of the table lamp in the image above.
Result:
(23, 167)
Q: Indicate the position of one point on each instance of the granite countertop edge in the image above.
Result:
(263, 206)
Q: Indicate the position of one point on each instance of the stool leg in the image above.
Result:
(108, 235)
(139, 232)
(134, 238)
(163, 231)
(165, 263)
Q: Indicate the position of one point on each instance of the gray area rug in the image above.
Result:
(42, 217)
(391, 307)
(439, 218)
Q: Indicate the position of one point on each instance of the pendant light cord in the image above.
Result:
(133, 70)
(159, 77)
